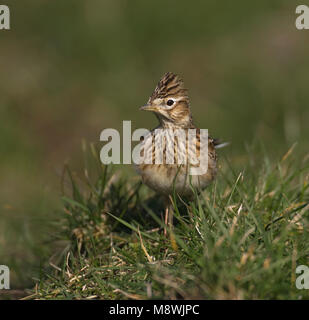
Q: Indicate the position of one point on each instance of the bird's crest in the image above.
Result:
(170, 85)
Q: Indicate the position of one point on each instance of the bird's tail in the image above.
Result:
(219, 144)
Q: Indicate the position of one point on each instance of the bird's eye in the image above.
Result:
(170, 102)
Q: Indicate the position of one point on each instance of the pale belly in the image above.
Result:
(166, 178)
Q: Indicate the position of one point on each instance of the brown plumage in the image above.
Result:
(169, 86)
(170, 103)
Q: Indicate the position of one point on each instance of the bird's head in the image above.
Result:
(170, 102)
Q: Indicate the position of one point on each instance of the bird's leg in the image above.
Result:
(169, 214)
(166, 219)
(170, 217)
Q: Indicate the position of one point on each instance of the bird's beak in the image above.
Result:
(148, 107)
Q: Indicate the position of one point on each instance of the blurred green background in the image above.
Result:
(71, 68)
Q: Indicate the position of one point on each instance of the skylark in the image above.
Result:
(170, 103)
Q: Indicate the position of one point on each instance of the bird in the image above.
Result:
(170, 104)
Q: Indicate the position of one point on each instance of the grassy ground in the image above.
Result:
(240, 239)
(72, 68)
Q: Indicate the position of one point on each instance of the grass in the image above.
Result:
(245, 65)
(240, 239)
